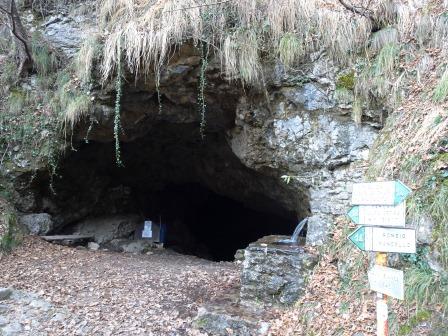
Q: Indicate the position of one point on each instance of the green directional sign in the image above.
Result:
(379, 215)
(353, 214)
(380, 193)
(358, 237)
(381, 239)
(402, 191)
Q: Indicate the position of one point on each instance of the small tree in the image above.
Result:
(11, 17)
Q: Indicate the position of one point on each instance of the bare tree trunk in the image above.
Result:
(19, 34)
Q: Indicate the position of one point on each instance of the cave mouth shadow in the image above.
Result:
(208, 225)
(211, 203)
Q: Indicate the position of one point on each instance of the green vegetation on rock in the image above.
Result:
(10, 234)
(441, 91)
(346, 81)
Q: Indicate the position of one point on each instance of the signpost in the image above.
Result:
(379, 239)
(379, 215)
(387, 281)
(381, 210)
(379, 193)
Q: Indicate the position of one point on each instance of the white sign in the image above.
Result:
(387, 281)
(379, 193)
(380, 239)
(379, 215)
(147, 230)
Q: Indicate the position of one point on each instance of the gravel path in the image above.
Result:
(108, 293)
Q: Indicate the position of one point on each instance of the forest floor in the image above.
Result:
(83, 292)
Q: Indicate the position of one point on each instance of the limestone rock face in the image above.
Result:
(37, 224)
(320, 147)
(275, 274)
(67, 32)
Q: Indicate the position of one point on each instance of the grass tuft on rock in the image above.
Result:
(290, 49)
(441, 90)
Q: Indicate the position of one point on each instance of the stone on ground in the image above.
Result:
(130, 246)
(93, 246)
(5, 293)
(226, 316)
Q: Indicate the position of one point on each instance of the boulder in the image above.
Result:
(93, 246)
(219, 323)
(37, 224)
(107, 228)
(130, 246)
(226, 316)
(239, 255)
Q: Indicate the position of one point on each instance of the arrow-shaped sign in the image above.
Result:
(387, 281)
(380, 193)
(379, 215)
(380, 239)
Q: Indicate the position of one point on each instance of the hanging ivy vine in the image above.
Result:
(202, 84)
(159, 95)
(117, 118)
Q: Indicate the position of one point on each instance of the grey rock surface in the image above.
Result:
(219, 324)
(423, 226)
(226, 316)
(24, 313)
(37, 224)
(106, 228)
(67, 32)
(3, 309)
(130, 246)
(5, 293)
(93, 246)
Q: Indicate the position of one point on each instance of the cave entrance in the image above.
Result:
(212, 205)
(203, 223)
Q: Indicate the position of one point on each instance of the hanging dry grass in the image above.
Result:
(85, 58)
(239, 31)
(245, 33)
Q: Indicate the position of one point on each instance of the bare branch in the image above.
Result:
(19, 34)
(363, 12)
(199, 6)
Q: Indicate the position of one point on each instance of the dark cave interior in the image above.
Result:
(209, 201)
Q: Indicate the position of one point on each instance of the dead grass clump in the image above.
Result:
(85, 58)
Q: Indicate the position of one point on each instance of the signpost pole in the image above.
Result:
(382, 312)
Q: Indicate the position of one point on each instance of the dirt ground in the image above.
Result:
(109, 293)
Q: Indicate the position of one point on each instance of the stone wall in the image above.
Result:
(275, 274)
